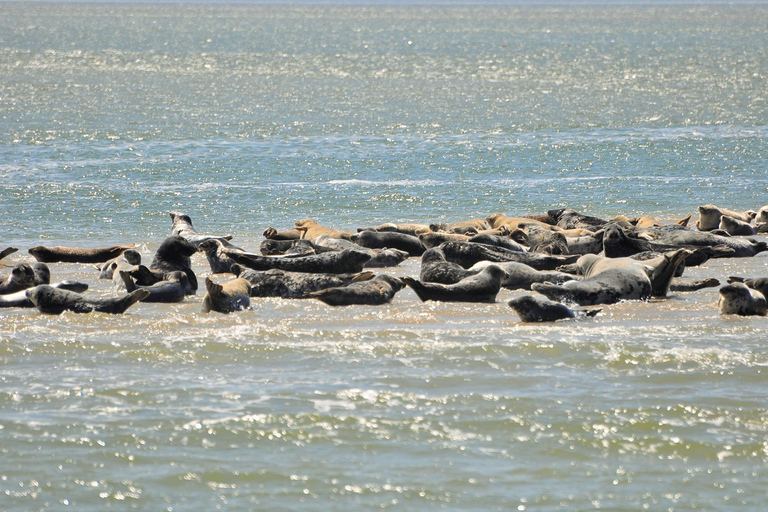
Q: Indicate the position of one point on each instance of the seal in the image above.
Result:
(467, 254)
(234, 295)
(54, 301)
(181, 225)
(738, 299)
(77, 255)
(680, 285)
(760, 218)
(380, 258)
(568, 218)
(22, 277)
(608, 287)
(481, 287)
(436, 269)
(760, 284)
(406, 228)
(288, 234)
(20, 299)
(293, 285)
(531, 308)
(310, 229)
(710, 215)
(736, 227)
(586, 244)
(174, 254)
(389, 239)
(217, 256)
(337, 262)
(437, 238)
(129, 258)
(546, 241)
(294, 247)
(374, 292)
(144, 277)
(42, 273)
(521, 276)
(497, 241)
(172, 289)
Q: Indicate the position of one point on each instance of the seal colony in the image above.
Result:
(565, 258)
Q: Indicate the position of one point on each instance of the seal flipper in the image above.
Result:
(120, 305)
(362, 276)
(129, 284)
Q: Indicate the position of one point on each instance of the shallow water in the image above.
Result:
(246, 117)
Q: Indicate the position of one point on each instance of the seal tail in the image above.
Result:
(127, 301)
(416, 286)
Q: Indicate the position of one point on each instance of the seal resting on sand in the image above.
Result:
(310, 229)
(481, 287)
(76, 255)
(739, 299)
(710, 216)
(531, 308)
(233, 295)
(336, 262)
(54, 301)
(377, 291)
(22, 277)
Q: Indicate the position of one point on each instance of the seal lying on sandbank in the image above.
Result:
(531, 308)
(481, 287)
(467, 254)
(341, 262)
(293, 285)
(54, 301)
(77, 255)
(377, 291)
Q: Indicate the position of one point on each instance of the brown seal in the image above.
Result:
(310, 229)
(233, 295)
(77, 255)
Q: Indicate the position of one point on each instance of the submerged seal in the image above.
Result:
(531, 308)
(739, 299)
(55, 301)
(481, 287)
(233, 295)
(77, 255)
(377, 291)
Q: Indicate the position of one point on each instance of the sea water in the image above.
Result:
(251, 116)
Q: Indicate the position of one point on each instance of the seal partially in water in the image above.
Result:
(54, 301)
(171, 289)
(481, 287)
(336, 262)
(127, 259)
(377, 291)
(181, 225)
(234, 295)
(20, 299)
(531, 308)
(294, 285)
(739, 299)
(174, 254)
(7, 251)
(22, 277)
(77, 255)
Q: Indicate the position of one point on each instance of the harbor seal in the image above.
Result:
(389, 239)
(380, 258)
(374, 292)
(234, 295)
(521, 276)
(568, 218)
(22, 277)
(437, 238)
(336, 262)
(129, 258)
(531, 308)
(172, 289)
(736, 227)
(311, 229)
(20, 299)
(739, 299)
(294, 285)
(710, 216)
(7, 252)
(498, 241)
(181, 225)
(760, 284)
(215, 253)
(467, 254)
(406, 228)
(289, 234)
(42, 273)
(54, 301)
(481, 287)
(77, 255)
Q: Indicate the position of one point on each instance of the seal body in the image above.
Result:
(391, 240)
(377, 291)
(380, 258)
(436, 269)
(171, 289)
(174, 254)
(467, 254)
(77, 255)
(55, 301)
(738, 299)
(736, 227)
(181, 225)
(710, 216)
(336, 262)
(20, 299)
(521, 276)
(311, 229)
(293, 285)
(22, 277)
(234, 295)
(481, 287)
(128, 258)
(531, 308)
(608, 287)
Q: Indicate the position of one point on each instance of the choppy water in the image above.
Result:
(254, 116)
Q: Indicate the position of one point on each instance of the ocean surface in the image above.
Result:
(251, 116)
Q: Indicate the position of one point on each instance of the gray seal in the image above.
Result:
(20, 299)
(380, 258)
(181, 225)
(172, 289)
(77, 255)
(467, 254)
(174, 254)
(54, 301)
(293, 285)
(608, 287)
(436, 269)
(521, 276)
(128, 259)
(377, 291)
(337, 262)
(234, 295)
(760, 284)
(739, 299)
(531, 308)
(481, 287)
(22, 277)
(389, 240)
